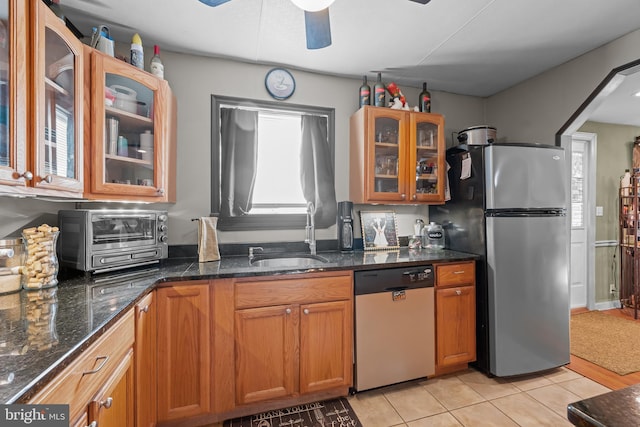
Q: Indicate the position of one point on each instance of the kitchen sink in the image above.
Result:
(287, 260)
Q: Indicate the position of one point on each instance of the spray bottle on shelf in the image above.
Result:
(137, 54)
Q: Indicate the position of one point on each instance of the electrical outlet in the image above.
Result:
(612, 287)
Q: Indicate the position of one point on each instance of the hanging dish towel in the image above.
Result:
(208, 239)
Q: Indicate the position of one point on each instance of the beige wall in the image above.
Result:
(614, 155)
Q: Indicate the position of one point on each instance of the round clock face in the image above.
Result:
(280, 83)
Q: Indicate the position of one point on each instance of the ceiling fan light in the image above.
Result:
(312, 5)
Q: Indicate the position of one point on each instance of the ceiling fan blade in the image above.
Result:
(318, 29)
(417, 1)
(214, 3)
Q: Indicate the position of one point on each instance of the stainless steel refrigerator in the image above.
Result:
(508, 205)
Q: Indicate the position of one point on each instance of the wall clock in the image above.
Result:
(280, 83)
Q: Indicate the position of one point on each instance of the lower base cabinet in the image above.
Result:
(293, 337)
(455, 316)
(184, 350)
(98, 385)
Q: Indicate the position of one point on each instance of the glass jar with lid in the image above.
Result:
(11, 262)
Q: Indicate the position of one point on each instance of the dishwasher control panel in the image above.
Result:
(393, 279)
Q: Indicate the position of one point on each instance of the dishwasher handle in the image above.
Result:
(396, 288)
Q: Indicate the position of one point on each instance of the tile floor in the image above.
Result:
(472, 399)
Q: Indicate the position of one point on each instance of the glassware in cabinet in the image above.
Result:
(387, 155)
(58, 100)
(127, 131)
(427, 156)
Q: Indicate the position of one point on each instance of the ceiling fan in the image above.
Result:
(316, 19)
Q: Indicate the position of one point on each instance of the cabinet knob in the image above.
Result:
(288, 311)
(305, 311)
(458, 292)
(28, 175)
(145, 309)
(106, 404)
(414, 197)
(403, 196)
(94, 423)
(160, 190)
(48, 179)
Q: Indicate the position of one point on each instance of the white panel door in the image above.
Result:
(579, 209)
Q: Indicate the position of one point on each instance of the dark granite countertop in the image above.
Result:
(42, 331)
(616, 408)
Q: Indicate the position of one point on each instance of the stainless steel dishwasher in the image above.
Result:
(394, 326)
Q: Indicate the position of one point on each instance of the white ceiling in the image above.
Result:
(470, 47)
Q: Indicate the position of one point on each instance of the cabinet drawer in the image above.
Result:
(456, 274)
(84, 377)
(296, 289)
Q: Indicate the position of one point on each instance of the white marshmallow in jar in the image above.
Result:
(41, 264)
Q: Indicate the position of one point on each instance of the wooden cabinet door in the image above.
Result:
(184, 351)
(114, 405)
(146, 362)
(326, 336)
(13, 102)
(426, 169)
(266, 353)
(58, 104)
(455, 325)
(131, 167)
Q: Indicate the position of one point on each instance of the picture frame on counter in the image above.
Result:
(379, 230)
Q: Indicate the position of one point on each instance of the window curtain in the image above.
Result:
(316, 170)
(239, 155)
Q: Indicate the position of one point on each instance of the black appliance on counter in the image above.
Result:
(345, 226)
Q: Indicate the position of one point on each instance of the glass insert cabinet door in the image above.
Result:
(387, 137)
(127, 129)
(426, 157)
(59, 97)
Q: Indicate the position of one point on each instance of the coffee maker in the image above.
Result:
(345, 226)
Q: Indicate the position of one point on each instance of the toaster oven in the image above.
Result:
(99, 240)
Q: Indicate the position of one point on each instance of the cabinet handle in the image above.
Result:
(288, 311)
(459, 272)
(458, 292)
(106, 404)
(48, 179)
(27, 175)
(104, 361)
(305, 311)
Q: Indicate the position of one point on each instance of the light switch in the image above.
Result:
(599, 211)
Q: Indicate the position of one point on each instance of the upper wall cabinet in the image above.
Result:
(130, 134)
(396, 157)
(43, 81)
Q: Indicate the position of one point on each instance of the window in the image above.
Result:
(258, 149)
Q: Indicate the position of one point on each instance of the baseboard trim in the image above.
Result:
(607, 305)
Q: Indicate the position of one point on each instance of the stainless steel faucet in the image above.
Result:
(310, 229)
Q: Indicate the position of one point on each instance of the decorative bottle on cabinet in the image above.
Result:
(424, 99)
(379, 92)
(365, 93)
(156, 66)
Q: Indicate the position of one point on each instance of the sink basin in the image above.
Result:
(287, 260)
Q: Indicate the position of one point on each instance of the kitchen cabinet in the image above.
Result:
(114, 405)
(130, 132)
(184, 350)
(43, 81)
(146, 362)
(455, 316)
(99, 380)
(293, 336)
(396, 157)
